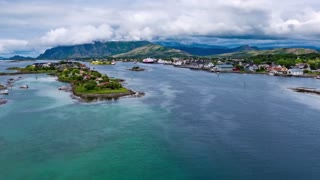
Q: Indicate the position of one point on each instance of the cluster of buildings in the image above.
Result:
(238, 65)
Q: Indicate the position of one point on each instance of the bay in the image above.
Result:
(190, 125)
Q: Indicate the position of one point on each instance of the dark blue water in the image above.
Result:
(190, 125)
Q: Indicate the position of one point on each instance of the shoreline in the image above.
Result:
(21, 73)
(242, 72)
(94, 97)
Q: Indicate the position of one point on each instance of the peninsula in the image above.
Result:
(85, 83)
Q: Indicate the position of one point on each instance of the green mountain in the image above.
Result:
(279, 51)
(97, 49)
(197, 49)
(153, 50)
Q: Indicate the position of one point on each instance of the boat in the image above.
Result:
(24, 87)
(318, 77)
(148, 60)
(4, 92)
(113, 63)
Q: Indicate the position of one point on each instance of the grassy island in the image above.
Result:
(86, 83)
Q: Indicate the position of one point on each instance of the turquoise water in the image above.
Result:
(190, 125)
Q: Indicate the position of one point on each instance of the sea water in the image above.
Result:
(189, 125)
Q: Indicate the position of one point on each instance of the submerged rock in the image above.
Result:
(2, 101)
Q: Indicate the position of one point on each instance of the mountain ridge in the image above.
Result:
(142, 49)
(153, 50)
(92, 50)
(276, 51)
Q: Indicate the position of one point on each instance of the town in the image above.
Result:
(297, 67)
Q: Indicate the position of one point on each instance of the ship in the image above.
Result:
(149, 60)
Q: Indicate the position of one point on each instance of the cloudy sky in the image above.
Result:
(29, 27)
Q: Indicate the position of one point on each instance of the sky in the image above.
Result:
(30, 27)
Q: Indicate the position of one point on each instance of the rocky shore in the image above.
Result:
(306, 90)
(2, 101)
(2, 87)
(93, 97)
(20, 73)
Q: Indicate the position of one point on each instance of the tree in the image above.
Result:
(91, 85)
(105, 78)
(257, 61)
(113, 85)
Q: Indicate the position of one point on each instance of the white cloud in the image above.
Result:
(10, 45)
(76, 35)
(50, 23)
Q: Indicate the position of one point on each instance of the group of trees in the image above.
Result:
(88, 79)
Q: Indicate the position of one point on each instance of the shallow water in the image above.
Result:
(190, 125)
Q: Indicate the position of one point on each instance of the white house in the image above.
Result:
(222, 68)
(209, 65)
(295, 72)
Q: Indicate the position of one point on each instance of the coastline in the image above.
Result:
(93, 97)
(246, 72)
(22, 73)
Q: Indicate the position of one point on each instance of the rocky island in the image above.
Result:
(2, 87)
(136, 68)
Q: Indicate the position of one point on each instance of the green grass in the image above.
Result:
(13, 68)
(25, 70)
(82, 90)
(313, 73)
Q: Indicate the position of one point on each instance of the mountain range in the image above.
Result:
(94, 50)
(143, 49)
(138, 49)
(119, 49)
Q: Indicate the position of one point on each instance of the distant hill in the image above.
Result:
(20, 58)
(153, 50)
(97, 49)
(204, 49)
(278, 51)
(2, 58)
